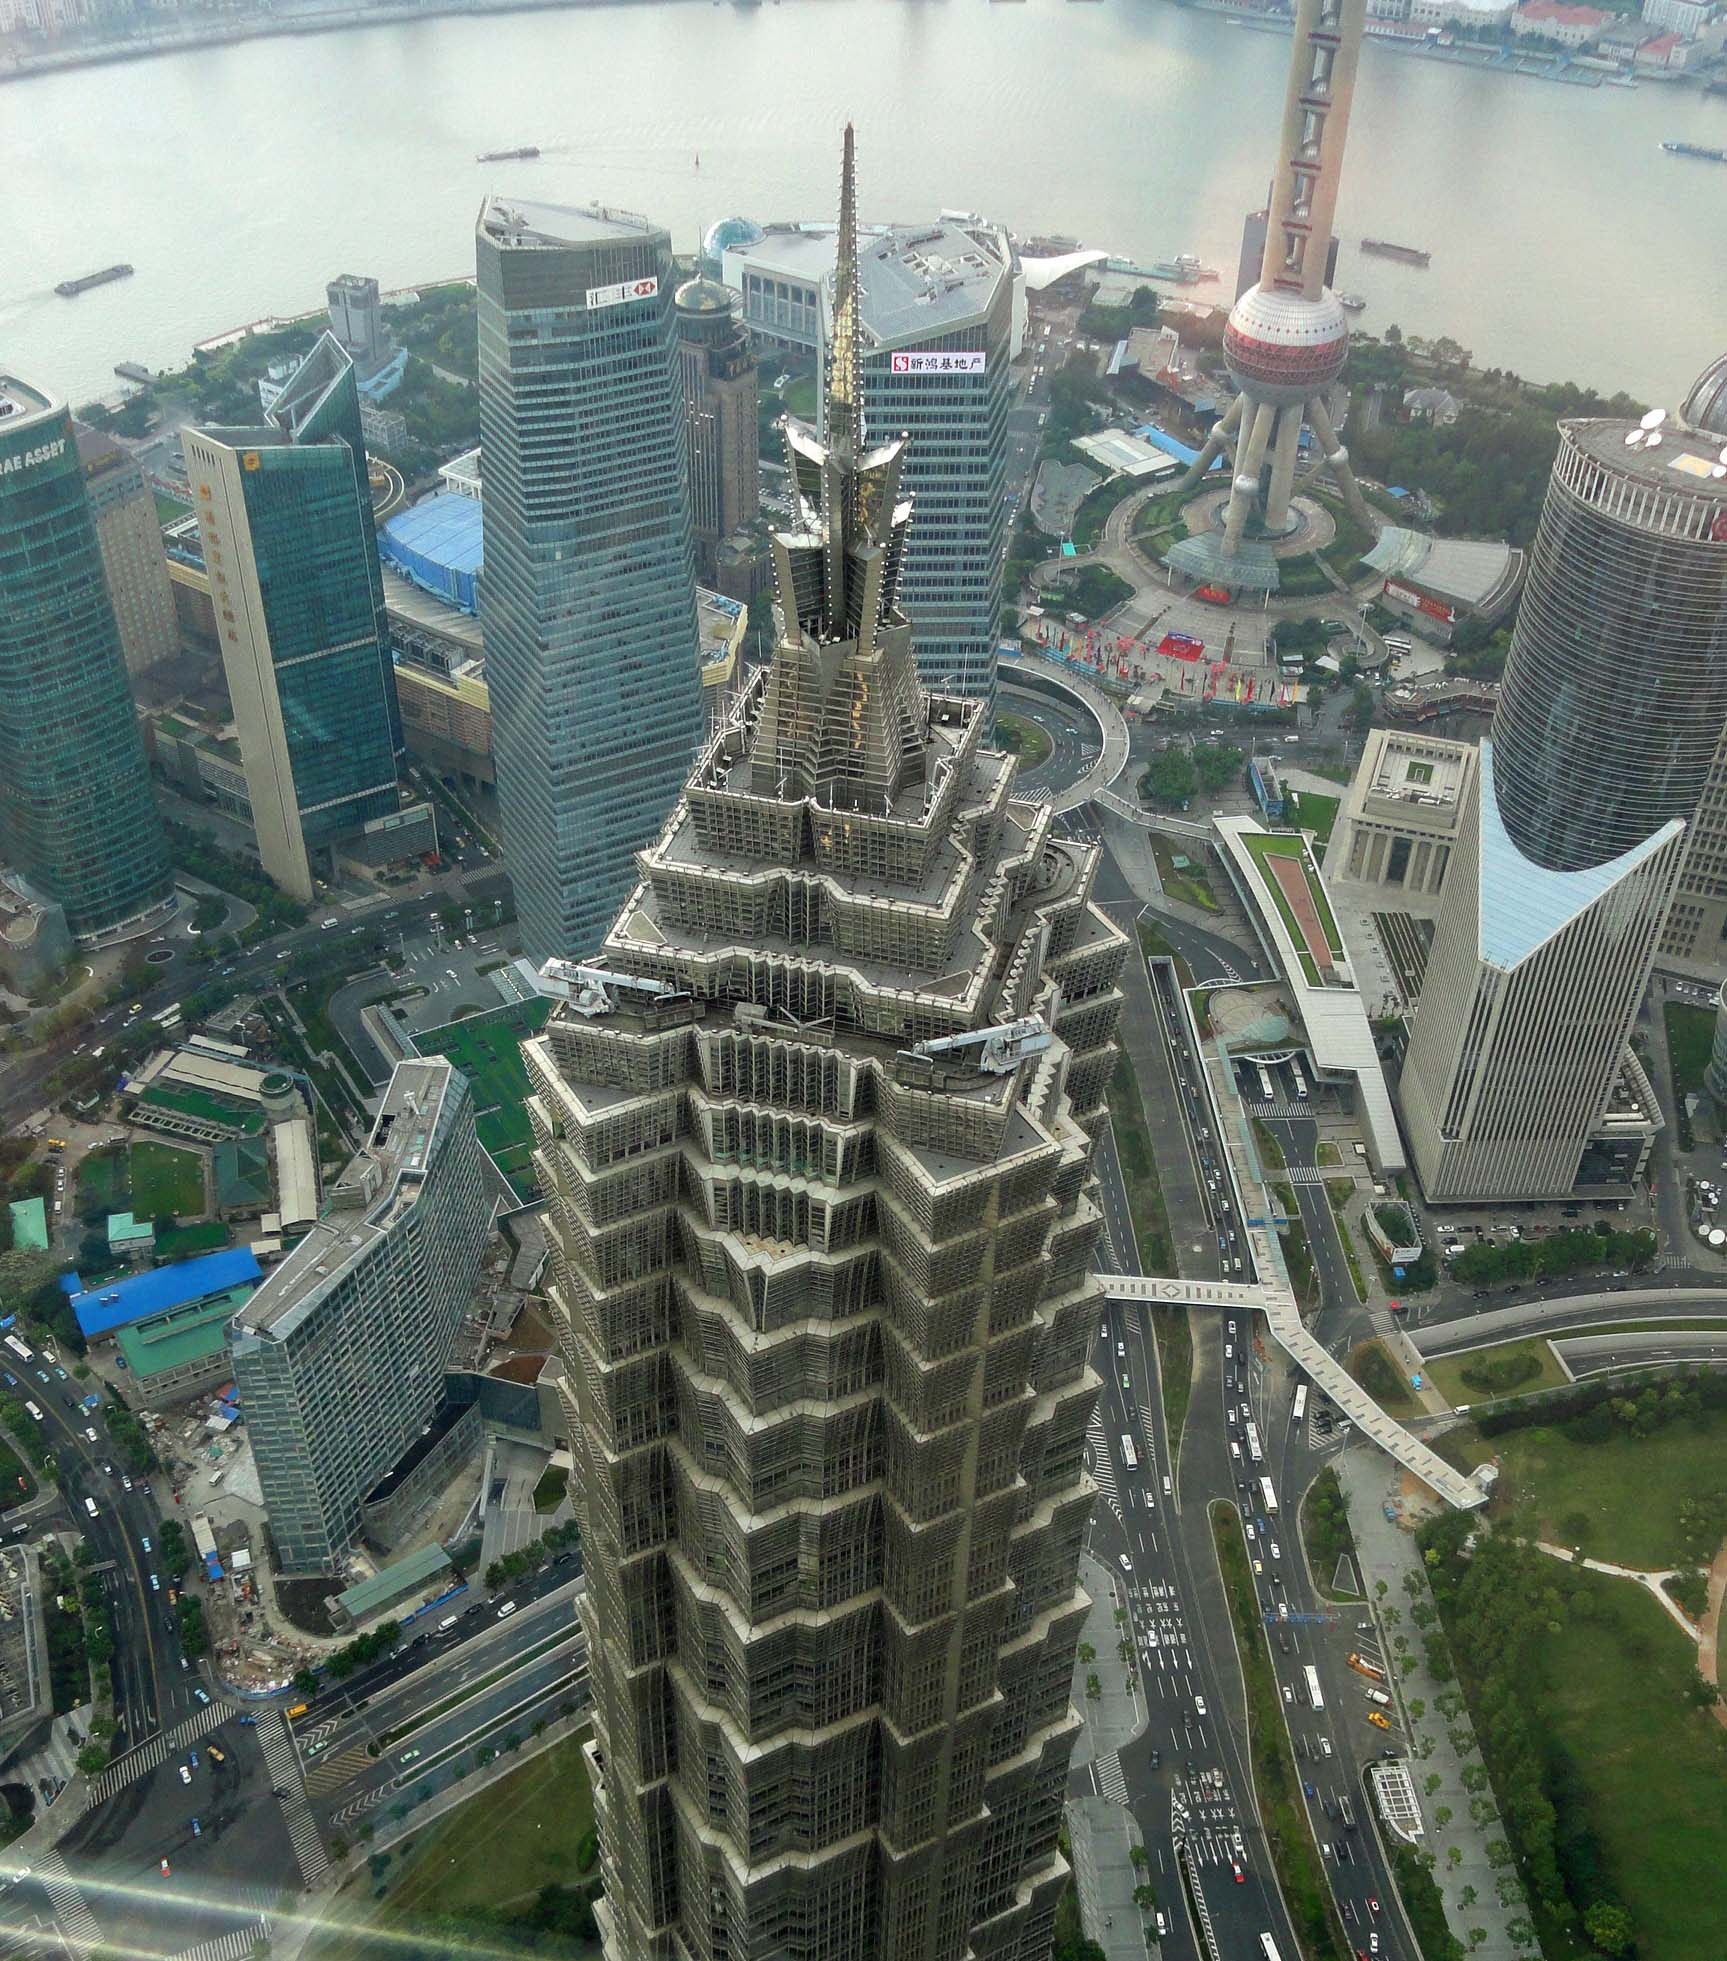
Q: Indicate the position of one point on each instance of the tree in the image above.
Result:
(1093, 1689)
(1468, 1896)
(1087, 1653)
(92, 1759)
(1609, 1927)
(1170, 779)
(1139, 1855)
(305, 1682)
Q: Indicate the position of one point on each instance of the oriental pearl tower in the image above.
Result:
(1287, 337)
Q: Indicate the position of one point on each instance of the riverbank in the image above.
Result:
(294, 21)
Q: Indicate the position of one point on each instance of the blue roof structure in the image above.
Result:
(1172, 445)
(101, 1311)
(439, 544)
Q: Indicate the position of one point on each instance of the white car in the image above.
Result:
(1288, 1693)
(1276, 1550)
(1121, 1348)
(1126, 1563)
(185, 1775)
(1325, 1746)
(1199, 1704)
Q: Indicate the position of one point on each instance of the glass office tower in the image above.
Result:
(285, 519)
(76, 812)
(1518, 1082)
(589, 599)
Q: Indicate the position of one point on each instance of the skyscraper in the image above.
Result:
(817, 1135)
(589, 601)
(340, 1354)
(76, 813)
(1518, 1082)
(719, 378)
(1287, 337)
(285, 518)
(129, 533)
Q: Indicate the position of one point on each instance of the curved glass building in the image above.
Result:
(1519, 1083)
(76, 811)
(1616, 685)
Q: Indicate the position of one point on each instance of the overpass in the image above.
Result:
(1316, 1362)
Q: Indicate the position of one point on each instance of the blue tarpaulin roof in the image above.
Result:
(439, 545)
(101, 1310)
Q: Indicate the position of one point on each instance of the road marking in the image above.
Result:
(283, 1762)
(75, 1918)
(158, 1749)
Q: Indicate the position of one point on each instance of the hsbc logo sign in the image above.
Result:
(631, 289)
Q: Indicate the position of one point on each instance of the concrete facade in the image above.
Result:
(340, 1354)
(817, 1142)
(1398, 824)
(719, 380)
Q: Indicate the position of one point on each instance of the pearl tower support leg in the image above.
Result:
(1337, 461)
(1221, 431)
(1285, 447)
(1249, 458)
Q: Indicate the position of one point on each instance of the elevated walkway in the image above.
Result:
(1316, 1362)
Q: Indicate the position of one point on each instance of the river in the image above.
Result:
(238, 179)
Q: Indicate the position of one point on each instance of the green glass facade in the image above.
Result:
(76, 810)
(589, 598)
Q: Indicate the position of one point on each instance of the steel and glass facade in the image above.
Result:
(76, 811)
(285, 521)
(589, 598)
(1518, 1083)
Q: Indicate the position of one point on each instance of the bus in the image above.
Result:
(1268, 1948)
(1129, 1456)
(1313, 1694)
(169, 1016)
(21, 1349)
(1300, 1401)
(1270, 1496)
(1265, 1088)
(1253, 1449)
(1300, 1079)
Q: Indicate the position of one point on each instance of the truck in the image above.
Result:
(299, 1709)
(1379, 1696)
(1363, 1666)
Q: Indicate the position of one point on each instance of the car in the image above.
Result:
(1240, 1876)
(1121, 1348)
(165, 1869)
(1373, 1943)
(1288, 1693)
(1276, 1550)
(506, 1610)
(203, 1695)
(313, 1747)
(1126, 1381)
(61, 1373)
(1378, 1720)
(145, 1543)
(125, 1482)
(155, 1583)
(408, 1757)
(185, 1775)
(1126, 1563)
(217, 1756)
(1325, 1746)
(248, 1722)
(1373, 1903)
(1247, 1527)
(1307, 1790)
(1199, 1704)
(1259, 1569)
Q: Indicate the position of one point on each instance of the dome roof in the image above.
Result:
(703, 295)
(1705, 406)
(1283, 346)
(728, 231)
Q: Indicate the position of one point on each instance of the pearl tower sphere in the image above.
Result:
(1287, 337)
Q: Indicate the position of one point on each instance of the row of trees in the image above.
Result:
(1576, 1250)
(530, 1558)
(1501, 1603)
(1176, 775)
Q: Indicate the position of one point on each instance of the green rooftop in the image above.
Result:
(206, 1108)
(29, 1225)
(181, 1337)
(124, 1231)
(384, 1589)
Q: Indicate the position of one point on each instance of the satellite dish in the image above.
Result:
(1634, 439)
(1654, 439)
(1718, 469)
(1724, 456)
(1654, 419)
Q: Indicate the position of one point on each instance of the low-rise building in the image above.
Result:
(1399, 820)
(1686, 18)
(130, 1238)
(1558, 21)
(181, 1352)
(227, 1277)
(1436, 583)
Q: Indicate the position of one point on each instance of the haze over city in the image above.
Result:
(863, 980)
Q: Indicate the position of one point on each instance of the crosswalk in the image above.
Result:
(158, 1749)
(238, 1944)
(76, 1920)
(1110, 1782)
(283, 1763)
(1311, 1174)
(331, 1772)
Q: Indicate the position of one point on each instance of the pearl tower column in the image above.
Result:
(1287, 337)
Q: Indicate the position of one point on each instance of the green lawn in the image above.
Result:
(487, 1049)
(1187, 882)
(102, 1181)
(166, 1179)
(1022, 737)
(1628, 1488)
(181, 1242)
(1446, 1372)
(800, 397)
(1689, 1033)
(1150, 1219)
(495, 1851)
(1313, 812)
(1287, 844)
(1655, 1766)
(1372, 1366)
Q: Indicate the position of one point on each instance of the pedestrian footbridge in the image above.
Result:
(1316, 1362)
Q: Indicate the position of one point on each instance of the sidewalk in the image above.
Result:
(1100, 1825)
(1649, 1581)
(1460, 1822)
